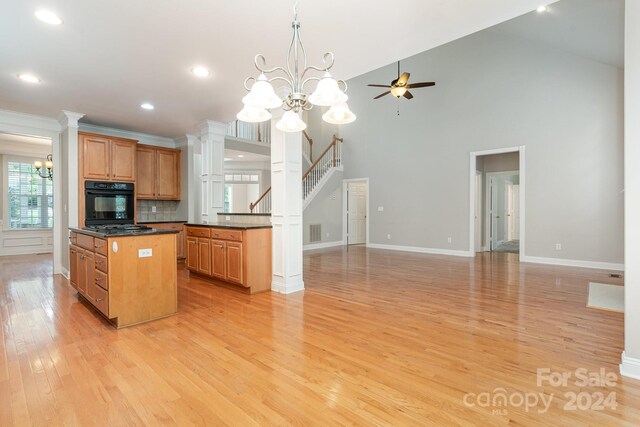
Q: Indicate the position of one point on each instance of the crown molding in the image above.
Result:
(142, 138)
(15, 118)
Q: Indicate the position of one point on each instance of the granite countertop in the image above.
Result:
(162, 222)
(235, 225)
(123, 233)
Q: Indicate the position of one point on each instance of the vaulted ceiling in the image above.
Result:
(108, 57)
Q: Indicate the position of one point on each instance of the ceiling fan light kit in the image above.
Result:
(400, 86)
(262, 96)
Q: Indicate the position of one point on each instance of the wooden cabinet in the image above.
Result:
(158, 171)
(105, 158)
(180, 237)
(109, 275)
(237, 256)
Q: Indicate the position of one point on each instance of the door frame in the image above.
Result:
(472, 194)
(487, 212)
(345, 201)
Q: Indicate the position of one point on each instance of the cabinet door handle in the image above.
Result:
(99, 299)
(81, 256)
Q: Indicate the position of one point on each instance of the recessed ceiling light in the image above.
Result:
(541, 9)
(241, 155)
(200, 71)
(48, 17)
(147, 106)
(29, 78)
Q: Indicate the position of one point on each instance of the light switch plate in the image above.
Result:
(153, 209)
(145, 253)
(380, 208)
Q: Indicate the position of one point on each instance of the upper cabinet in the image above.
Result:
(106, 158)
(158, 172)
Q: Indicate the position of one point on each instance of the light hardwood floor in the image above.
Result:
(377, 338)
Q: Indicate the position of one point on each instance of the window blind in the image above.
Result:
(30, 197)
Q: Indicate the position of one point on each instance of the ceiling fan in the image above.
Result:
(399, 86)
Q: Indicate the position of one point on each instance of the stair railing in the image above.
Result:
(307, 147)
(330, 158)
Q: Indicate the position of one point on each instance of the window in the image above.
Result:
(29, 197)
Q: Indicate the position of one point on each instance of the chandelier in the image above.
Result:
(328, 93)
(48, 164)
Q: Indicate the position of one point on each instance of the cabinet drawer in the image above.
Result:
(101, 263)
(218, 233)
(73, 238)
(100, 246)
(84, 241)
(102, 300)
(198, 232)
(102, 280)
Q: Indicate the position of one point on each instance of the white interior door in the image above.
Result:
(513, 211)
(356, 213)
(478, 218)
(495, 213)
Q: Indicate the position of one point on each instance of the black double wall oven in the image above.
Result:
(109, 203)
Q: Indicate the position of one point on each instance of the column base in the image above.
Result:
(630, 367)
(287, 287)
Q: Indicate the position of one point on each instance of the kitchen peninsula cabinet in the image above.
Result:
(236, 254)
(107, 158)
(129, 278)
(158, 173)
(180, 237)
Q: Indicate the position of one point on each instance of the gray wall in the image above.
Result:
(494, 91)
(326, 209)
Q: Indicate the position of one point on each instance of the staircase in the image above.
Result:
(313, 180)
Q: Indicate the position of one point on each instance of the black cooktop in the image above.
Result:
(118, 228)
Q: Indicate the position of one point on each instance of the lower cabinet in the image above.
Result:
(237, 256)
(128, 290)
(87, 272)
(180, 240)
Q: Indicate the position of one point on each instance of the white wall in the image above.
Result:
(494, 91)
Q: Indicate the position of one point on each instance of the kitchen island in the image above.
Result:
(130, 277)
(235, 254)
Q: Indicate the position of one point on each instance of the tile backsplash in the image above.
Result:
(165, 210)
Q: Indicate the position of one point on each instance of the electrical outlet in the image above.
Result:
(449, 240)
(380, 208)
(388, 236)
(227, 217)
(558, 246)
(153, 209)
(145, 253)
(327, 235)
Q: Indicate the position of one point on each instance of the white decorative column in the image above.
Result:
(212, 174)
(286, 210)
(65, 182)
(631, 356)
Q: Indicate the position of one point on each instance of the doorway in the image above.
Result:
(356, 211)
(503, 214)
(496, 217)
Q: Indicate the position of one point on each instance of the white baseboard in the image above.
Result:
(65, 273)
(630, 367)
(573, 263)
(322, 245)
(432, 251)
(287, 288)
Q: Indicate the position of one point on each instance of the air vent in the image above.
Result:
(315, 233)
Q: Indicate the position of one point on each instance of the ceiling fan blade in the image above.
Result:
(379, 85)
(382, 94)
(404, 78)
(423, 84)
(407, 95)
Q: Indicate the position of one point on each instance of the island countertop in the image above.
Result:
(233, 225)
(162, 221)
(122, 233)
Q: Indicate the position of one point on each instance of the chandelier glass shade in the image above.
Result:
(48, 164)
(262, 96)
(339, 114)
